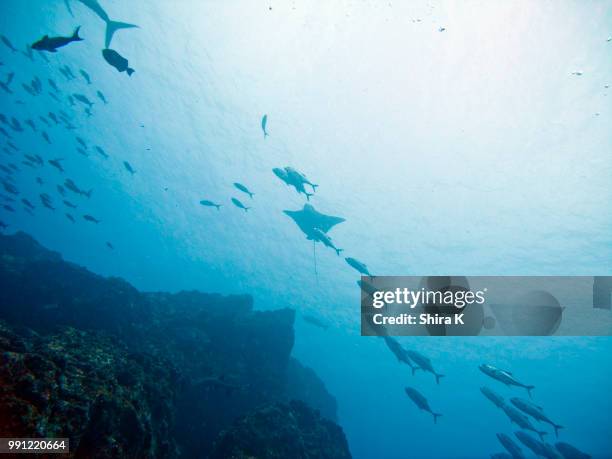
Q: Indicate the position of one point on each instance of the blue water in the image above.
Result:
(475, 150)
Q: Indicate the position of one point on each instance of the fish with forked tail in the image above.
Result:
(396, 348)
(504, 377)
(51, 44)
(111, 26)
(69, 183)
(518, 418)
(243, 188)
(535, 411)
(424, 364)
(238, 204)
(117, 60)
(264, 124)
(207, 203)
(420, 401)
(359, 266)
(319, 236)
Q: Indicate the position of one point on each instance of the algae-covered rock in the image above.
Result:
(280, 431)
(125, 373)
(70, 384)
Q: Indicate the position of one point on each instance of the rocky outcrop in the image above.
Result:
(85, 386)
(84, 354)
(281, 431)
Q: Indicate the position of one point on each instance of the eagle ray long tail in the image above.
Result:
(314, 256)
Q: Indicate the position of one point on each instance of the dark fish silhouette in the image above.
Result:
(69, 183)
(117, 60)
(56, 163)
(244, 189)
(5, 85)
(69, 204)
(61, 190)
(109, 245)
(8, 208)
(535, 411)
(83, 99)
(101, 151)
(44, 120)
(295, 179)
(111, 26)
(424, 363)
(27, 203)
(70, 217)
(46, 137)
(8, 43)
(4, 133)
(359, 266)
(42, 55)
(421, 402)
(570, 452)
(319, 236)
(238, 204)
(101, 97)
(534, 445)
(51, 44)
(504, 377)
(264, 124)
(28, 89)
(399, 352)
(30, 123)
(518, 418)
(16, 125)
(36, 159)
(494, 397)
(65, 70)
(85, 76)
(128, 167)
(28, 53)
(37, 85)
(207, 203)
(54, 97)
(10, 188)
(46, 201)
(81, 141)
(511, 446)
(53, 85)
(89, 218)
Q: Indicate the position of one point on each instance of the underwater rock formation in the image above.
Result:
(282, 431)
(94, 359)
(87, 387)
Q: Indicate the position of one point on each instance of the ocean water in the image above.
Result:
(480, 149)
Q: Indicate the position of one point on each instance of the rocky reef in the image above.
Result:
(124, 373)
(282, 431)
